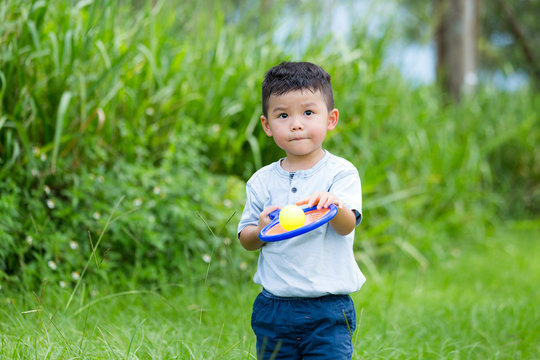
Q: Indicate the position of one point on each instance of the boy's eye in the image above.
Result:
(283, 116)
(308, 112)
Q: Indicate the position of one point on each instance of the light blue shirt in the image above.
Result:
(317, 263)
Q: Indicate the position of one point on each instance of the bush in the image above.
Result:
(147, 223)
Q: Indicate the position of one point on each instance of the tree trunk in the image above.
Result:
(526, 48)
(456, 38)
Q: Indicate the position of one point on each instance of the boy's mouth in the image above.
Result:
(298, 138)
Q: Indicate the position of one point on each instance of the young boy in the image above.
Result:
(304, 309)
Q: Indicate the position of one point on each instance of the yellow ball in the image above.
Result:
(292, 217)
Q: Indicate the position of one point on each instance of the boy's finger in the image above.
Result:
(327, 203)
(318, 200)
(311, 200)
(328, 200)
(269, 209)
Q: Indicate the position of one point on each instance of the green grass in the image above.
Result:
(477, 303)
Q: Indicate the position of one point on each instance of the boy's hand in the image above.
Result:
(322, 199)
(344, 221)
(249, 236)
(264, 219)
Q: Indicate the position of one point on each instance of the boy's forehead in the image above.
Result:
(300, 94)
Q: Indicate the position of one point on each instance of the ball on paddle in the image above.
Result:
(292, 217)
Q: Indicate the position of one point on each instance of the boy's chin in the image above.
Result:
(304, 153)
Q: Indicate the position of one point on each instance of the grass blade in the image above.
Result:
(132, 338)
(60, 117)
(93, 252)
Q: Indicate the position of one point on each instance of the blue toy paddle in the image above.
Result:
(314, 218)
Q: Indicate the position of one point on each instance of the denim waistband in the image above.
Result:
(268, 294)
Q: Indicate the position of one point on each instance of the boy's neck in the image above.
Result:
(294, 163)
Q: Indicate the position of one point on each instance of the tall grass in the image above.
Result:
(159, 102)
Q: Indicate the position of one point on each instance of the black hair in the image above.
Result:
(291, 76)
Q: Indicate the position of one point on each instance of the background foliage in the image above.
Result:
(127, 130)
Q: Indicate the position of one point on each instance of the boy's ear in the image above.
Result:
(265, 125)
(333, 117)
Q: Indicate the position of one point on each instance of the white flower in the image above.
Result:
(149, 111)
(35, 172)
(243, 265)
(36, 151)
(151, 219)
(75, 275)
(206, 258)
(51, 204)
(215, 128)
(73, 244)
(227, 241)
(52, 264)
(157, 190)
(47, 189)
(43, 157)
(62, 284)
(96, 215)
(100, 178)
(137, 202)
(29, 240)
(227, 203)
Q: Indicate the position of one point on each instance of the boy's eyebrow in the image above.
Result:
(278, 109)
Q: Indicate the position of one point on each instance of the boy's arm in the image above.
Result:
(249, 236)
(344, 222)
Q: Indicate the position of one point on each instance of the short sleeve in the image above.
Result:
(347, 187)
(252, 209)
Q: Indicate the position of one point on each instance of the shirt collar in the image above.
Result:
(302, 173)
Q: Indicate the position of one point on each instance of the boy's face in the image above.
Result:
(298, 121)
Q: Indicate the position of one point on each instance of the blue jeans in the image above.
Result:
(303, 328)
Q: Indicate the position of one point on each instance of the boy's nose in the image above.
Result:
(296, 124)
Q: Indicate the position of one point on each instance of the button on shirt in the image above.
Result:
(317, 263)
